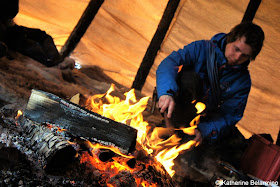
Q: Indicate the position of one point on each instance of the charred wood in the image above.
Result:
(105, 155)
(52, 149)
(45, 107)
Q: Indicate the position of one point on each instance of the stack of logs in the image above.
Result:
(56, 127)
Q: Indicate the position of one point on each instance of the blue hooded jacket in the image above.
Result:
(234, 82)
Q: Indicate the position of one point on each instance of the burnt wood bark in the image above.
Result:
(81, 27)
(45, 107)
(251, 10)
(53, 150)
(154, 46)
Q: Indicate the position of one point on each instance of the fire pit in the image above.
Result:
(60, 134)
(58, 142)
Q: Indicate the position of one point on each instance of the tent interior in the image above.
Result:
(118, 37)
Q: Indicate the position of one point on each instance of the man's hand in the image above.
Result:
(198, 137)
(166, 102)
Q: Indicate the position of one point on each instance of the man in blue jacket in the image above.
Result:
(221, 65)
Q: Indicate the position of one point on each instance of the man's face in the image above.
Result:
(238, 52)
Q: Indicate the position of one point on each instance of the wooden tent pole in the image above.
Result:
(278, 139)
(251, 10)
(81, 27)
(155, 43)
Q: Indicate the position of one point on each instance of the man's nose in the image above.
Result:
(238, 56)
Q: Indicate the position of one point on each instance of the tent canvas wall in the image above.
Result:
(119, 35)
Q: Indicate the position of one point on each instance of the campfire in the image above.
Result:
(107, 133)
(129, 112)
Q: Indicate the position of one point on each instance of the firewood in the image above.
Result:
(52, 149)
(45, 107)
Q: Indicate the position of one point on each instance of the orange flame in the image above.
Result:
(200, 107)
(114, 149)
(167, 156)
(129, 111)
(111, 168)
(19, 113)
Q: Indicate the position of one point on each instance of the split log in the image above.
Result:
(45, 107)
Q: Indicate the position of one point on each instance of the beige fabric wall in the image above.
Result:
(57, 18)
(116, 40)
(120, 34)
(263, 109)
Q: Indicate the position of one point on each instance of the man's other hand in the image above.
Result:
(198, 137)
(166, 102)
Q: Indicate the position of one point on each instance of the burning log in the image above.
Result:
(52, 149)
(45, 107)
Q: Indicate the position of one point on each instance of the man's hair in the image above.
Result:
(253, 33)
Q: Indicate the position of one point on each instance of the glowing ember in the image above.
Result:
(129, 111)
(54, 128)
(114, 166)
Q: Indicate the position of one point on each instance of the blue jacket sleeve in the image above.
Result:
(167, 71)
(230, 112)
